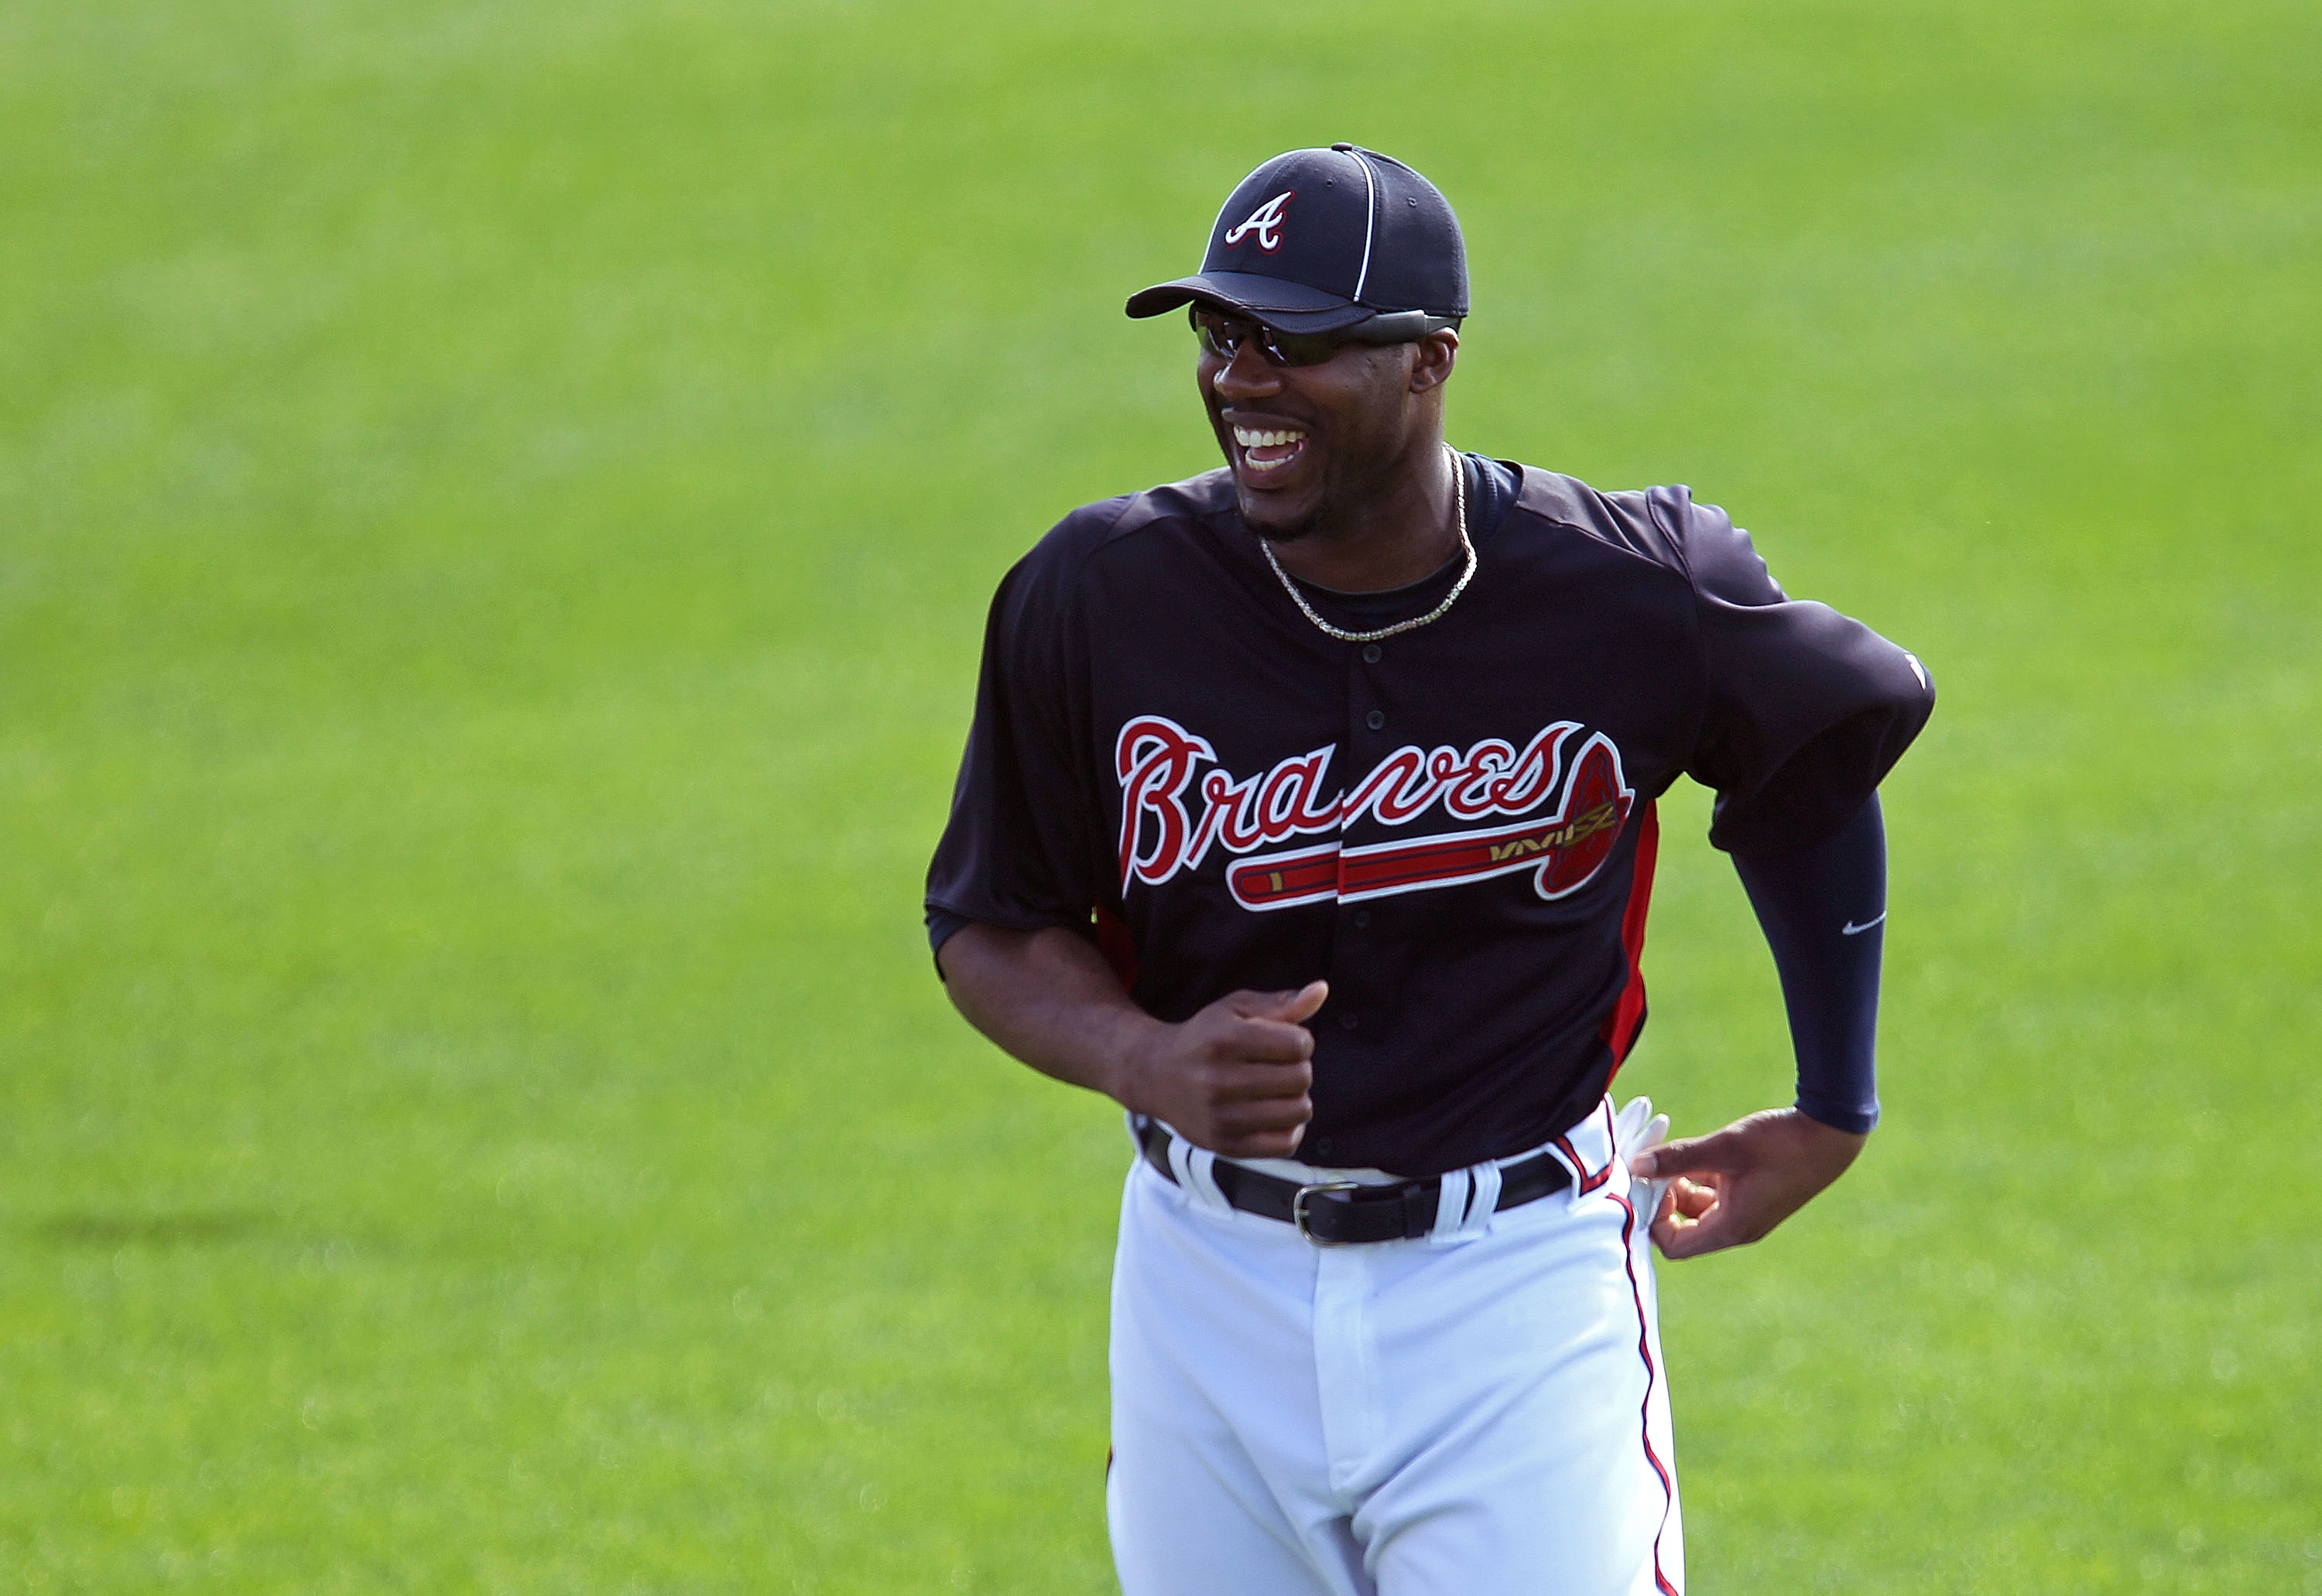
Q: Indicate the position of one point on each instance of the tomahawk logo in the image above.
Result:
(1266, 222)
(1156, 760)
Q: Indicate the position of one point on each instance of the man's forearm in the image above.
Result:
(1823, 909)
(1232, 1078)
(1048, 997)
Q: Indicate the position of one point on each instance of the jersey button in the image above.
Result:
(1370, 653)
(1362, 919)
(1324, 1147)
(1348, 1022)
(1374, 719)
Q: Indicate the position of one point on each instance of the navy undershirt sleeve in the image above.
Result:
(1823, 911)
(941, 925)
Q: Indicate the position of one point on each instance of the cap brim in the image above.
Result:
(1294, 307)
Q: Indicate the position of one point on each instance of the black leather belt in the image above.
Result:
(1335, 1213)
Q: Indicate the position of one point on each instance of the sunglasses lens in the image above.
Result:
(1300, 349)
(1220, 336)
(1223, 337)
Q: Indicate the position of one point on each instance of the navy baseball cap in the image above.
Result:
(1319, 240)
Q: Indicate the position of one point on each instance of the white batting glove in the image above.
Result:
(1635, 1129)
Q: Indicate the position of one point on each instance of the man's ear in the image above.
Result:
(1432, 358)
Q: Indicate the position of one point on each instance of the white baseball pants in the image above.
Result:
(1481, 1411)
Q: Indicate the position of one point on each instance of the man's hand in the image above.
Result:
(1754, 1174)
(1234, 1078)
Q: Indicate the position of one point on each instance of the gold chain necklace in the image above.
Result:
(1459, 514)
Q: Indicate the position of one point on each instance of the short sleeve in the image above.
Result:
(1805, 710)
(1018, 849)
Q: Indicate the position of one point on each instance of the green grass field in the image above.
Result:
(497, 504)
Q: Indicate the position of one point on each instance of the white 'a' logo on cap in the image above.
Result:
(1266, 222)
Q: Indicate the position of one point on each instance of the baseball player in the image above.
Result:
(1308, 813)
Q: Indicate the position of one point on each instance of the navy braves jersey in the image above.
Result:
(1454, 825)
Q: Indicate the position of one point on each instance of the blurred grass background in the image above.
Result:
(496, 505)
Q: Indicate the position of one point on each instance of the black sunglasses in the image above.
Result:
(1223, 335)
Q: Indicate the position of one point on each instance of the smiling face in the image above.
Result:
(1314, 448)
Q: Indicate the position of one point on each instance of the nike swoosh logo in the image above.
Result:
(1852, 929)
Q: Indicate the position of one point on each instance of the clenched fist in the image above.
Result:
(1234, 1077)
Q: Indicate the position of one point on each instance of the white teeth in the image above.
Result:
(1248, 439)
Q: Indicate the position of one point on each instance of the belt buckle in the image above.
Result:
(1298, 1209)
